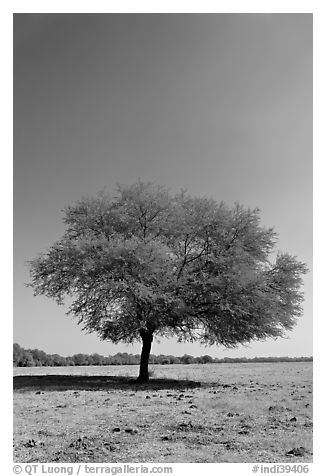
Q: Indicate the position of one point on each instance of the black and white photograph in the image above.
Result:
(163, 239)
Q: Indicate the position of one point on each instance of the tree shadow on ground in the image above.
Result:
(86, 382)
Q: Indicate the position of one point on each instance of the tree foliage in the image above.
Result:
(145, 262)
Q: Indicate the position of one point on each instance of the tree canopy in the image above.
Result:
(145, 262)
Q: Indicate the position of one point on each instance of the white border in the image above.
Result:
(59, 6)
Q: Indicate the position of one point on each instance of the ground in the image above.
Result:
(211, 413)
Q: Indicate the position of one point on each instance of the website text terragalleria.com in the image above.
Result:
(32, 469)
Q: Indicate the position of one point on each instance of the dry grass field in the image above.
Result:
(214, 413)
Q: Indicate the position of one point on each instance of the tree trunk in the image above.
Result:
(144, 358)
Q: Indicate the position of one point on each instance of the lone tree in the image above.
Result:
(147, 263)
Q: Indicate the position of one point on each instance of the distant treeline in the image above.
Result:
(38, 358)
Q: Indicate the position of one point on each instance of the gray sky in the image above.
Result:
(220, 104)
